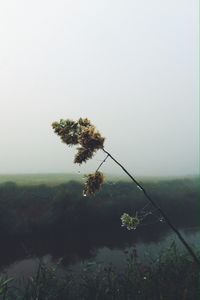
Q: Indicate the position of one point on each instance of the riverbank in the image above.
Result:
(43, 209)
(171, 276)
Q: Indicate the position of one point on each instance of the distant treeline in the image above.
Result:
(43, 209)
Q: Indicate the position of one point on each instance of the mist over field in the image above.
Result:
(125, 224)
(129, 67)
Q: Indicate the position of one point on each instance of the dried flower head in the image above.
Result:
(82, 133)
(91, 139)
(67, 130)
(83, 155)
(93, 183)
(84, 122)
(129, 222)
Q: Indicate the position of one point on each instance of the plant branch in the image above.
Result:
(190, 250)
(102, 163)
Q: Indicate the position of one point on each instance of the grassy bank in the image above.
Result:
(171, 276)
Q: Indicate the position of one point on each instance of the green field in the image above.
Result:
(50, 179)
(53, 179)
(37, 179)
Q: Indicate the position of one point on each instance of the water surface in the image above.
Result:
(20, 256)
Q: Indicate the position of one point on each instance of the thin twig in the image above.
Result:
(102, 163)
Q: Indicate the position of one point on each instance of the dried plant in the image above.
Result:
(130, 222)
(81, 133)
(89, 140)
(93, 183)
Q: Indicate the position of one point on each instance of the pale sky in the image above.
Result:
(130, 66)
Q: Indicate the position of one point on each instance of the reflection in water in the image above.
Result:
(20, 257)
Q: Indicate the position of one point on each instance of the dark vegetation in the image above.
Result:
(43, 209)
(173, 276)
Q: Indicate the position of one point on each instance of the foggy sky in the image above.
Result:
(129, 66)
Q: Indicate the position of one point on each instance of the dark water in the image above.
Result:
(20, 257)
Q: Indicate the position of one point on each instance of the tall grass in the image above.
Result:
(172, 276)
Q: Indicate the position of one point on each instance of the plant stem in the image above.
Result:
(102, 163)
(190, 250)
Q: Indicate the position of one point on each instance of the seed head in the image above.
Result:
(93, 183)
(82, 155)
(81, 133)
(129, 222)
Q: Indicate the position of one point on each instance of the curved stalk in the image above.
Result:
(190, 250)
